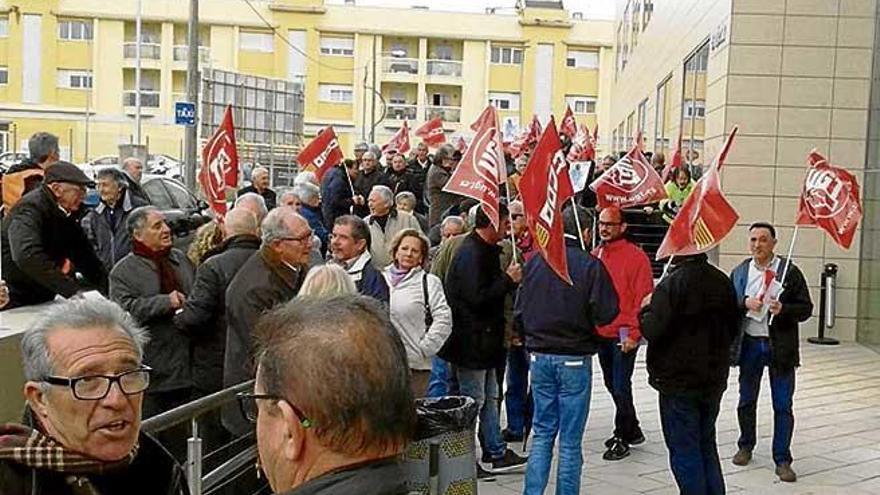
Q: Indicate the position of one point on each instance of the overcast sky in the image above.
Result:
(602, 9)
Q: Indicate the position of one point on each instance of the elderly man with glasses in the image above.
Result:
(81, 430)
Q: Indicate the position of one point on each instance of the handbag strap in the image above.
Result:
(429, 318)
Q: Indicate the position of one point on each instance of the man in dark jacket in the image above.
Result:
(260, 185)
(83, 362)
(43, 243)
(419, 167)
(337, 193)
(105, 226)
(690, 321)
(134, 173)
(768, 321)
(27, 175)
(475, 289)
(438, 175)
(271, 276)
(559, 322)
(401, 178)
(309, 196)
(369, 176)
(151, 283)
(349, 247)
(329, 432)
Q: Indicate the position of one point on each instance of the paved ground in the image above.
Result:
(836, 441)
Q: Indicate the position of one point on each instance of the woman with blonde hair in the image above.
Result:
(418, 306)
(207, 239)
(327, 280)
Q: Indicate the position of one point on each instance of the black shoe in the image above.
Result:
(485, 459)
(509, 436)
(617, 451)
(509, 462)
(610, 442)
(484, 475)
(638, 439)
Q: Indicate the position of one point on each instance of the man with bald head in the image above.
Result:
(253, 203)
(134, 173)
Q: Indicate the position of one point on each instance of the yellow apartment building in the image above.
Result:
(68, 66)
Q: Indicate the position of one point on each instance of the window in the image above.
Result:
(4, 26)
(256, 41)
(443, 52)
(74, 79)
(181, 196)
(694, 108)
(398, 97)
(662, 109)
(4, 75)
(581, 104)
(643, 115)
(335, 93)
(74, 30)
(647, 11)
(337, 46)
(158, 195)
(506, 55)
(580, 59)
(441, 100)
(504, 101)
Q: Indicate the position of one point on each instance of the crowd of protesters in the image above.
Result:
(376, 270)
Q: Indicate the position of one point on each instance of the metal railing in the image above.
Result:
(148, 50)
(148, 98)
(399, 65)
(448, 114)
(451, 68)
(192, 413)
(401, 112)
(181, 53)
(645, 229)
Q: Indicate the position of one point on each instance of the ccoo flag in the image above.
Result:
(706, 216)
(632, 181)
(219, 164)
(545, 187)
(674, 161)
(830, 200)
(399, 142)
(529, 136)
(431, 132)
(322, 153)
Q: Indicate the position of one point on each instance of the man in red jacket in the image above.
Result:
(630, 271)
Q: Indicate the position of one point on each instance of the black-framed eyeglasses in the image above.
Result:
(96, 387)
(247, 402)
(609, 224)
(301, 238)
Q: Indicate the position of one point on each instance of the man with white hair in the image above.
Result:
(369, 176)
(385, 222)
(288, 198)
(254, 203)
(134, 173)
(309, 196)
(260, 185)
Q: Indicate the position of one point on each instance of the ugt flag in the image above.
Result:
(523, 143)
(219, 164)
(482, 168)
(706, 216)
(568, 126)
(674, 161)
(399, 142)
(830, 200)
(632, 181)
(322, 153)
(545, 187)
(431, 132)
(583, 148)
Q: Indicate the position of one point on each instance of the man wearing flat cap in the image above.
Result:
(43, 245)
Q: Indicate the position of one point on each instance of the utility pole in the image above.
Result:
(192, 95)
(137, 75)
(373, 95)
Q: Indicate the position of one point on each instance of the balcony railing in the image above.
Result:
(181, 53)
(148, 50)
(396, 65)
(450, 68)
(148, 98)
(448, 114)
(401, 112)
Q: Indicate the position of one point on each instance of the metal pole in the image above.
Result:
(194, 459)
(373, 95)
(192, 95)
(137, 75)
(89, 100)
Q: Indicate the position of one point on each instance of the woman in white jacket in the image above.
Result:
(419, 310)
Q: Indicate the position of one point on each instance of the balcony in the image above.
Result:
(181, 54)
(151, 51)
(448, 114)
(401, 112)
(149, 99)
(398, 65)
(447, 68)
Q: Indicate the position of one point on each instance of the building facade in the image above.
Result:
(793, 76)
(68, 66)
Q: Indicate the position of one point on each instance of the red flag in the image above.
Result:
(596, 134)
(545, 187)
(460, 144)
(705, 217)
(582, 146)
(830, 200)
(322, 153)
(482, 168)
(431, 132)
(524, 142)
(674, 161)
(219, 164)
(568, 126)
(399, 141)
(632, 181)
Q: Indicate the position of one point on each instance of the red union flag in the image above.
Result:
(830, 200)
(706, 216)
(568, 126)
(674, 161)
(399, 141)
(632, 181)
(582, 146)
(545, 187)
(322, 153)
(460, 144)
(523, 143)
(219, 164)
(431, 132)
(482, 167)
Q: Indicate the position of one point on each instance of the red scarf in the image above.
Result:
(167, 276)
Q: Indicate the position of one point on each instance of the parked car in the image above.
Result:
(10, 158)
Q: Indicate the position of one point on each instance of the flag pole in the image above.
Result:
(787, 262)
(666, 267)
(510, 217)
(577, 221)
(350, 185)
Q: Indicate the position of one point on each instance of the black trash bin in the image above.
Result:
(442, 458)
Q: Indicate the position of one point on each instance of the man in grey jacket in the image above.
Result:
(105, 226)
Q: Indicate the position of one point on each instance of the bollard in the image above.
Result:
(827, 305)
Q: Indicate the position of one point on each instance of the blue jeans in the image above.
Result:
(688, 423)
(617, 371)
(561, 388)
(517, 388)
(482, 386)
(755, 356)
(442, 381)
